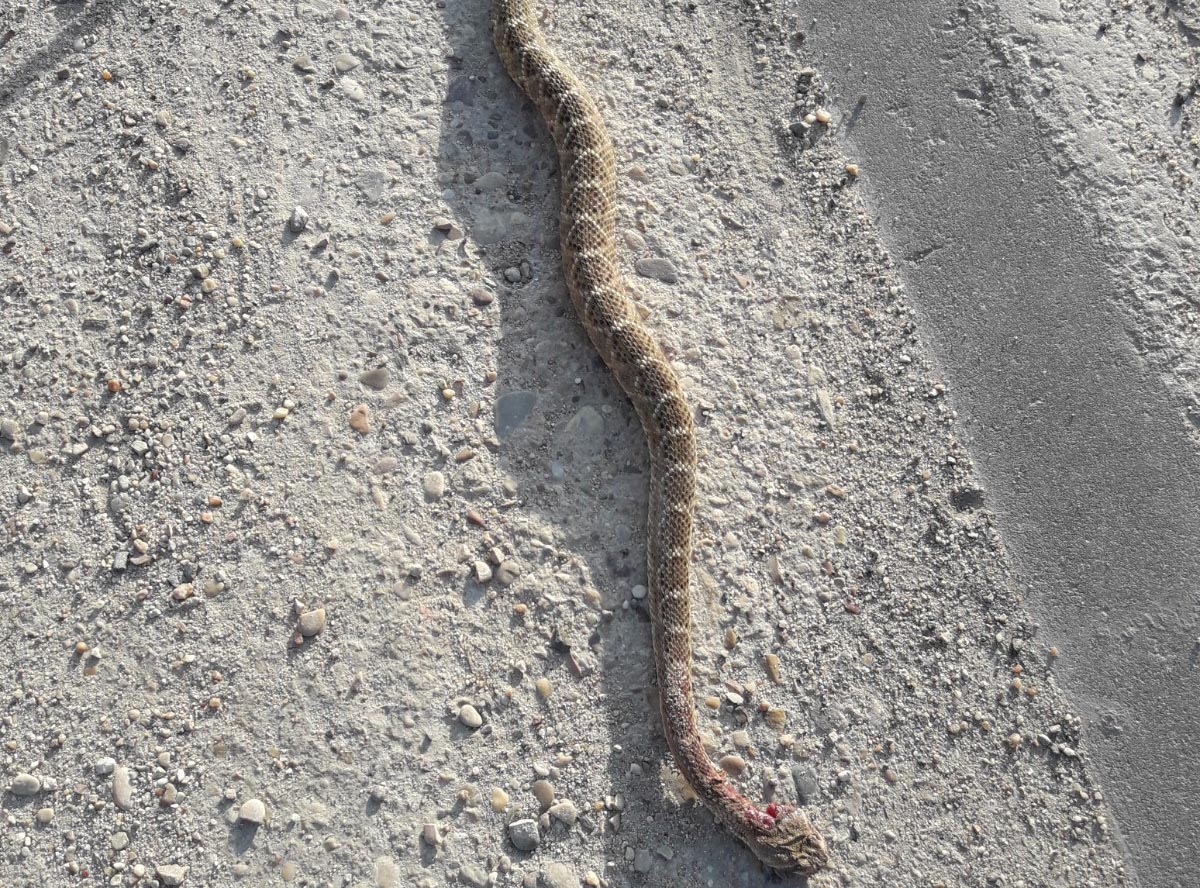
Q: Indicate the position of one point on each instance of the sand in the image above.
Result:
(323, 525)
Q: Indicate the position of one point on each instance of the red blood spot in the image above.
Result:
(772, 810)
(760, 819)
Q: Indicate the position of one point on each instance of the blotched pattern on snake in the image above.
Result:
(781, 836)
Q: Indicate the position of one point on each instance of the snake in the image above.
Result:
(781, 836)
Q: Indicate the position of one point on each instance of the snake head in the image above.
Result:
(787, 841)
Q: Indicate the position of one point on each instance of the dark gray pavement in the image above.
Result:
(1089, 465)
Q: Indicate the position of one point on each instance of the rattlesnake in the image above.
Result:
(779, 835)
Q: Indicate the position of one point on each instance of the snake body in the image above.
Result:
(779, 835)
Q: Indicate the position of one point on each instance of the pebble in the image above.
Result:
(470, 874)
(558, 875)
(524, 834)
(643, 860)
(352, 88)
(435, 485)
(807, 785)
(564, 812)
(372, 183)
(385, 465)
(8, 429)
(253, 811)
(507, 572)
(482, 297)
(543, 791)
(483, 572)
(45, 815)
(171, 874)
(732, 764)
(374, 379)
(470, 716)
(544, 688)
(120, 841)
(343, 62)
(312, 622)
(499, 799)
(25, 785)
(657, 268)
(387, 875)
(772, 665)
(639, 591)
(298, 220)
(360, 419)
(122, 789)
(303, 64)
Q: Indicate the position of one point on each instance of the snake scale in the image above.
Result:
(779, 835)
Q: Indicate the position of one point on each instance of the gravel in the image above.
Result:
(321, 395)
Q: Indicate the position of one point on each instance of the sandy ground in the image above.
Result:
(323, 528)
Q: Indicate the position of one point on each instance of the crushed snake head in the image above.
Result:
(786, 840)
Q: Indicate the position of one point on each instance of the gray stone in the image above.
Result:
(298, 220)
(657, 268)
(524, 834)
(470, 874)
(171, 874)
(387, 874)
(507, 572)
(374, 379)
(807, 785)
(558, 875)
(564, 812)
(643, 860)
(25, 785)
(435, 485)
(372, 183)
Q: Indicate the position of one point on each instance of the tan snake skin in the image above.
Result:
(779, 835)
